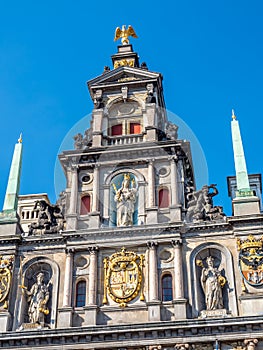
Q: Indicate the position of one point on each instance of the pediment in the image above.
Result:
(123, 74)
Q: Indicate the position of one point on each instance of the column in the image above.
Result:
(174, 190)
(92, 294)
(151, 184)
(179, 300)
(95, 196)
(65, 312)
(67, 296)
(91, 307)
(178, 270)
(153, 272)
(74, 189)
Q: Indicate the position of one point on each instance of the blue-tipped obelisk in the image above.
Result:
(12, 190)
(245, 202)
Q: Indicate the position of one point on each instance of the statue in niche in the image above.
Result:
(50, 219)
(212, 283)
(201, 207)
(125, 197)
(38, 297)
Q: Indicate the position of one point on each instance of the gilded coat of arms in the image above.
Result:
(251, 260)
(123, 277)
(5, 279)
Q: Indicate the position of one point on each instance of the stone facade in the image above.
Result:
(127, 266)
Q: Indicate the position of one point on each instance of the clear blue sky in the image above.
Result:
(209, 52)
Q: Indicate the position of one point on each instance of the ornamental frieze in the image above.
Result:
(123, 277)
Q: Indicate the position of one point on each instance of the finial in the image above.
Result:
(123, 34)
(233, 115)
(20, 138)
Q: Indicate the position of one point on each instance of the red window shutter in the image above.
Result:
(85, 205)
(116, 130)
(135, 128)
(164, 198)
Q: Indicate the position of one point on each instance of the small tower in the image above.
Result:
(245, 202)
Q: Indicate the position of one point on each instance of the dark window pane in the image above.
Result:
(81, 294)
(167, 288)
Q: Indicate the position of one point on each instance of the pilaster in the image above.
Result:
(91, 308)
(154, 312)
(179, 300)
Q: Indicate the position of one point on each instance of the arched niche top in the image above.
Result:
(40, 264)
(136, 173)
(210, 248)
(132, 106)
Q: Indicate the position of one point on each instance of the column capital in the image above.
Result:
(152, 244)
(250, 344)
(93, 250)
(182, 346)
(69, 251)
(173, 157)
(150, 161)
(176, 243)
(74, 167)
(96, 165)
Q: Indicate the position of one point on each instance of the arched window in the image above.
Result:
(81, 294)
(167, 288)
(135, 128)
(85, 205)
(116, 130)
(163, 198)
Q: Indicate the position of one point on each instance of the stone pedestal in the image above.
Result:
(213, 313)
(5, 319)
(246, 206)
(180, 308)
(175, 213)
(65, 317)
(152, 216)
(90, 315)
(154, 310)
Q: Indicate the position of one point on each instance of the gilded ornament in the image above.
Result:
(123, 277)
(6, 265)
(123, 34)
(124, 62)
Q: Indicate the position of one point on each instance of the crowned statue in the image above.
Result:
(125, 197)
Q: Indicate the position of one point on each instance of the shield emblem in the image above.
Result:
(251, 260)
(123, 276)
(5, 279)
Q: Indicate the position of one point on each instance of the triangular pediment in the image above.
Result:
(123, 74)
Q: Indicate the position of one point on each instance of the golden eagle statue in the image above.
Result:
(124, 33)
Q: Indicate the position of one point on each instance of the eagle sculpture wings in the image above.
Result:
(123, 34)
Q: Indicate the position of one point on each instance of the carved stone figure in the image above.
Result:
(125, 198)
(50, 219)
(78, 144)
(212, 282)
(38, 297)
(200, 205)
(171, 131)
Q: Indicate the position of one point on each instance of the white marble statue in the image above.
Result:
(38, 297)
(125, 198)
(212, 282)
